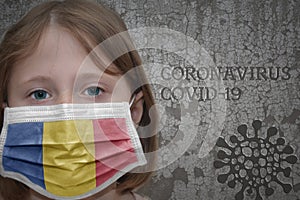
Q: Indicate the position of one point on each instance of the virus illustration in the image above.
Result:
(255, 161)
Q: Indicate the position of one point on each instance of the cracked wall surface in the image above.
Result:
(249, 58)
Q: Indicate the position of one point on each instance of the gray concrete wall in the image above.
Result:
(242, 144)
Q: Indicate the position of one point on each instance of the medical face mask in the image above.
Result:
(69, 151)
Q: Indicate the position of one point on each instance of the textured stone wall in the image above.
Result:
(226, 79)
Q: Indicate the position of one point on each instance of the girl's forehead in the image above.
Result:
(59, 54)
(58, 46)
(55, 40)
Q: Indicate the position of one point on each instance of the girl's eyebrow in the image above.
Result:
(90, 74)
(101, 78)
(98, 76)
(39, 78)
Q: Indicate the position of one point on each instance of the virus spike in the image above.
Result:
(287, 171)
(222, 178)
(256, 124)
(291, 159)
(231, 183)
(222, 155)
(286, 187)
(219, 164)
(222, 143)
(242, 129)
(240, 194)
(271, 132)
(288, 150)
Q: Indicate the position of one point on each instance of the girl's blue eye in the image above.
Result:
(93, 91)
(40, 95)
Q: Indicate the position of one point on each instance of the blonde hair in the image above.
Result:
(91, 24)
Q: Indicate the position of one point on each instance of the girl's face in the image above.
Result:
(54, 74)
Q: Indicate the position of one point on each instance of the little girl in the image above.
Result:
(48, 61)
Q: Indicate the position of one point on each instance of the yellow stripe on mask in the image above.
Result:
(69, 167)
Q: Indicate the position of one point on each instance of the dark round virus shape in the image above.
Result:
(255, 161)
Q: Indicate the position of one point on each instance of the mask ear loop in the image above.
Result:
(132, 100)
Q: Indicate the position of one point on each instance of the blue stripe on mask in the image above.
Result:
(29, 136)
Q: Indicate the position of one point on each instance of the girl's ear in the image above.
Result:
(137, 108)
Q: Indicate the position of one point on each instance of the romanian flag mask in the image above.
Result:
(69, 151)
